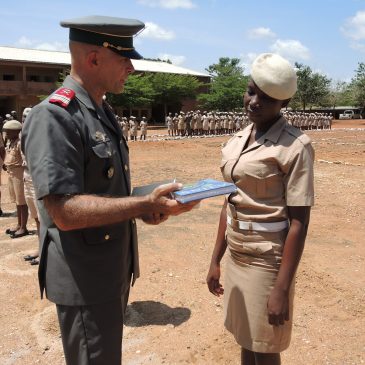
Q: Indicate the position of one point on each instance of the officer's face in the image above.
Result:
(260, 107)
(115, 71)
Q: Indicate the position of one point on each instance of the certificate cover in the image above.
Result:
(147, 189)
(203, 189)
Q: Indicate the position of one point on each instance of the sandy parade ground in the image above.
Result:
(172, 318)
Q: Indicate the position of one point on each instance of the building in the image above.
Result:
(27, 74)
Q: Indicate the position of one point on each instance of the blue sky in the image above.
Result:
(327, 35)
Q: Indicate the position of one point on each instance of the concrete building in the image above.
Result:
(27, 74)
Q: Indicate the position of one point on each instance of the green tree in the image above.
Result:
(171, 88)
(358, 85)
(227, 86)
(313, 87)
(138, 91)
(341, 94)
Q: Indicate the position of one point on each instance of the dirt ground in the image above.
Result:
(172, 318)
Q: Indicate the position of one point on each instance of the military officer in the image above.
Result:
(79, 165)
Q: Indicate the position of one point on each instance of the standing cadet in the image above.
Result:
(13, 163)
(143, 126)
(2, 156)
(133, 126)
(170, 125)
(124, 125)
(79, 165)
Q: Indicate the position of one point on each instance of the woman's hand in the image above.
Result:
(278, 307)
(214, 273)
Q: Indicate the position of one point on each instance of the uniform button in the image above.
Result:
(107, 237)
(126, 167)
(110, 172)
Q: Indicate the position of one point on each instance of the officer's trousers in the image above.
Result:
(92, 334)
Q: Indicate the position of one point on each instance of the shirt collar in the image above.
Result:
(81, 93)
(273, 134)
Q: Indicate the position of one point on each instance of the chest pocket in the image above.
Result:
(226, 169)
(103, 149)
(259, 179)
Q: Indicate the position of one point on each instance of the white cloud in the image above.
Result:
(261, 32)
(354, 27)
(176, 60)
(54, 46)
(246, 61)
(169, 4)
(291, 49)
(358, 46)
(24, 42)
(154, 31)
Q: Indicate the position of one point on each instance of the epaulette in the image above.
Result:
(298, 134)
(62, 96)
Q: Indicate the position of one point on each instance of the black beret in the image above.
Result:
(104, 31)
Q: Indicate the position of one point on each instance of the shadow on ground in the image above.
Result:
(149, 313)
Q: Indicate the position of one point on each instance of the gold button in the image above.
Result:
(107, 237)
(110, 172)
(126, 167)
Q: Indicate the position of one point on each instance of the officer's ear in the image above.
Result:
(92, 59)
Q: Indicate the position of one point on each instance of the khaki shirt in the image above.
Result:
(274, 172)
(13, 155)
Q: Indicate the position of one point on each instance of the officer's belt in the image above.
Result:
(256, 226)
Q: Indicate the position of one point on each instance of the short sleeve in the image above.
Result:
(299, 181)
(54, 151)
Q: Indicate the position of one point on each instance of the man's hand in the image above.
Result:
(154, 218)
(162, 203)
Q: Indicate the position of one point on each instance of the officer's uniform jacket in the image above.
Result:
(78, 148)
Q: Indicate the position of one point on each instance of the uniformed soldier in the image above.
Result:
(133, 128)
(13, 163)
(2, 156)
(263, 225)
(143, 126)
(170, 125)
(79, 164)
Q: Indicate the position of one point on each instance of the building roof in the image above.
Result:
(64, 58)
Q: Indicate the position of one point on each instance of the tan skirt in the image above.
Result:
(252, 266)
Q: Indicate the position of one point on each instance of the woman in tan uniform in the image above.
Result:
(264, 224)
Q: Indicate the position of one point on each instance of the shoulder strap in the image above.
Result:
(62, 97)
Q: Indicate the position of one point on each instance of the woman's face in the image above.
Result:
(261, 108)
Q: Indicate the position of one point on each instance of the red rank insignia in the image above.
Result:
(62, 97)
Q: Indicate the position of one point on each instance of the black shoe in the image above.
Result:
(34, 262)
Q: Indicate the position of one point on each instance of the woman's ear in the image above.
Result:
(285, 103)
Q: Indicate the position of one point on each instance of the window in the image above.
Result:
(9, 77)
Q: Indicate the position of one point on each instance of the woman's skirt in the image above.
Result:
(252, 265)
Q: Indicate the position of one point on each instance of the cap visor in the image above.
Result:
(133, 55)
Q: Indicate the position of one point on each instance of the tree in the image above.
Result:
(171, 88)
(138, 91)
(227, 86)
(341, 94)
(358, 84)
(313, 87)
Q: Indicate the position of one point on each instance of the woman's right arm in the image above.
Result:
(214, 273)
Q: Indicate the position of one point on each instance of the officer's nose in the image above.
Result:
(130, 67)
